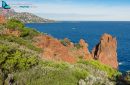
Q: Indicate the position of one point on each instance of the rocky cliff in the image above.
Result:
(65, 50)
(105, 51)
(87, 55)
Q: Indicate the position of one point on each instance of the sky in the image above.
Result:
(76, 10)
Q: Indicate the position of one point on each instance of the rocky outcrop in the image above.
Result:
(85, 50)
(53, 49)
(2, 19)
(105, 51)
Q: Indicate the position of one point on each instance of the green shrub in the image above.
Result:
(51, 73)
(126, 77)
(14, 24)
(97, 65)
(2, 27)
(59, 65)
(80, 73)
(78, 46)
(25, 32)
(28, 32)
(12, 59)
(65, 42)
(21, 41)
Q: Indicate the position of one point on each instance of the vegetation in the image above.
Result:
(127, 77)
(13, 59)
(24, 31)
(65, 42)
(14, 24)
(17, 53)
(60, 73)
(124, 79)
(97, 65)
(20, 41)
(21, 59)
(28, 33)
(51, 73)
(78, 46)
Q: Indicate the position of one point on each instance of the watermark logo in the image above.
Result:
(23, 5)
(5, 5)
(4, 8)
(17, 5)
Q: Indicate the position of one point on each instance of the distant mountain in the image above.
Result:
(24, 17)
(30, 18)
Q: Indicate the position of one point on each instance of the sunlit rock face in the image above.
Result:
(85, 50)
(105, 51)
(2, 19)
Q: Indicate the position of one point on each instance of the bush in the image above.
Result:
(25, 32)
(65, 42)
(20, 41)
(78, 46)
(28, 32)
(14, 24)
(51, 73)
(12, 59)
(59, 65)
(111, 72)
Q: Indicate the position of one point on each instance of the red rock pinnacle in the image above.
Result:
(105, 51)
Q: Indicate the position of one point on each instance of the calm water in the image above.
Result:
(91, 32)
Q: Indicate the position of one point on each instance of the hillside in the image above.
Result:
(29, 57)
(24, 17)
(29, 18)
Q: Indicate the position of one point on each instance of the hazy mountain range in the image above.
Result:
(25, 17)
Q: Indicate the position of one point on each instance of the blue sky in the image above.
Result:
(77, 10)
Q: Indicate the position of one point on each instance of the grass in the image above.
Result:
(52, 73)
(60, 73)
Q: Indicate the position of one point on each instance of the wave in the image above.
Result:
(120, 63)
(124, 63)
(73, 28)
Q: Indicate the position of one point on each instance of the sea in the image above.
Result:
(91, 31)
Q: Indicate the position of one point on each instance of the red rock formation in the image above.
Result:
(85, 50)
(105, 51)
(53, 49)
(69, 43)
(2, 19)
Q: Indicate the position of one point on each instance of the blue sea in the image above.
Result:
(91, 33)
